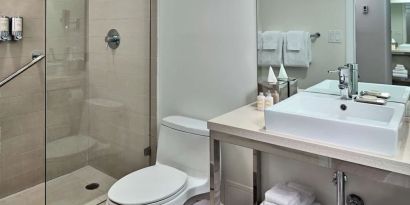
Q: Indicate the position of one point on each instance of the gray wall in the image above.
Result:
(373, 37)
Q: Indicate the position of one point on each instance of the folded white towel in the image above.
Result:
(301, 57)
(281, 194)
(295, 40)
(308, 191)
(400, 75)
(267, 203)
(272, 51)
(400, 68)
(405, 72)
(306, 200)
(271, 40)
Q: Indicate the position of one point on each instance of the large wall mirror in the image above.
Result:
(326, 25)
(400, 42)
(310, 38)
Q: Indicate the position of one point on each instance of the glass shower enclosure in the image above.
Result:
(79, 120)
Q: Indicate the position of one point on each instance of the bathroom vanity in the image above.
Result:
(246, 127)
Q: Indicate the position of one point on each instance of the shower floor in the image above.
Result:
(66, 190)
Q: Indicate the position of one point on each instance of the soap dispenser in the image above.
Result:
(260, 102)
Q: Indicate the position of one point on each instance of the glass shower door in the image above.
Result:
(98, 98)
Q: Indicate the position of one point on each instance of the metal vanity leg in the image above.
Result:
(215, 172)
(257, 187)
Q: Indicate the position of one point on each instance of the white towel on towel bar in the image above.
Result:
(272, 49)
(301, 57)
(271, 40)
(295, 40)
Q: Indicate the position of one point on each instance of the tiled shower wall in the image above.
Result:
(119, 85)
(22, 102)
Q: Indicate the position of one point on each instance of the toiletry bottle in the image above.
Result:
(269, 100)
(260, 102)
(276, 97)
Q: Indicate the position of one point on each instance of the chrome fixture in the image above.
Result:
(354, 199)
(5, 28)
(36, 57)
(339, 179)
(315, 35)
(348, 80)
(113, 39)
(17, 28)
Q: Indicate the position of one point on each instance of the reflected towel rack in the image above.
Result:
(315, 35)
(36, 57)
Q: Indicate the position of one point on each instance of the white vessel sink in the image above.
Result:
(399, 94)
(366, 127)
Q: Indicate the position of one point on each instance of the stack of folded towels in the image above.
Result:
(290, 194)
(400, 71)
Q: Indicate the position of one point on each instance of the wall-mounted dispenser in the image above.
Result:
(5, 28)
(17, 28)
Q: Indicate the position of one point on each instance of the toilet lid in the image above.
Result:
(148, 185)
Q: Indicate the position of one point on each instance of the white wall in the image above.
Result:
(207, 67)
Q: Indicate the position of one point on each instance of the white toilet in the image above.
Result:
(180, 173)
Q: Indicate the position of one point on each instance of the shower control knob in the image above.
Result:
(113, 39)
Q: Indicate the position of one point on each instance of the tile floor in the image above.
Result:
(66, 190)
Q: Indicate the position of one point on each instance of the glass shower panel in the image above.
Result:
(98, 98)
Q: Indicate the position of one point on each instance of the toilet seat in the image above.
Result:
(151, 185)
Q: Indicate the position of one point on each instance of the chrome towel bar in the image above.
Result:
(35, 59)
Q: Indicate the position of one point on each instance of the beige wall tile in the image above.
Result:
(22, 102)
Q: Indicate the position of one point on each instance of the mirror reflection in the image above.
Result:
(335, 47)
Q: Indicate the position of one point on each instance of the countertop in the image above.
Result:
(249, 124)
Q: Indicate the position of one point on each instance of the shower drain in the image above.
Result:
(92, 186)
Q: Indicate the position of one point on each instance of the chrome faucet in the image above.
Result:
(348, 80)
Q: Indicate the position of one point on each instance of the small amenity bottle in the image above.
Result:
(269, 100)
(260, 102)
(276, 97)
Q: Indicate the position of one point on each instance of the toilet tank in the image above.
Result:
(183, 143)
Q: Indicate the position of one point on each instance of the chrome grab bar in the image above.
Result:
(35, 59)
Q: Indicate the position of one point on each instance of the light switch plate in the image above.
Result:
(335, 36)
